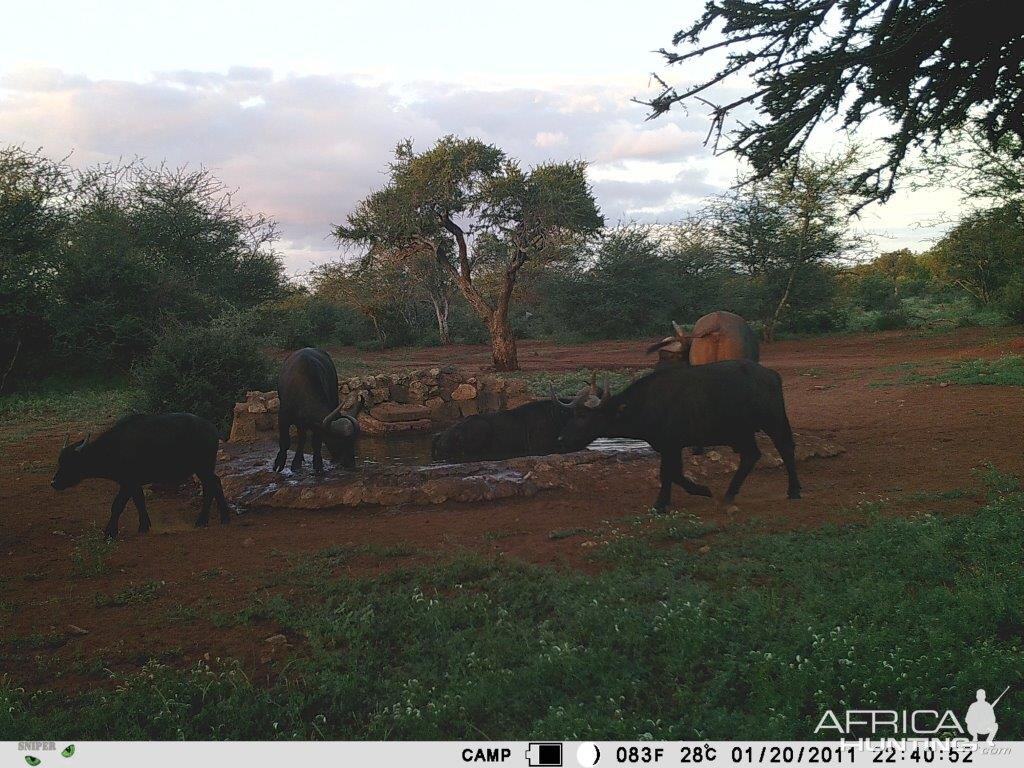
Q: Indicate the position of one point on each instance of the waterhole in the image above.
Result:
(414, 449)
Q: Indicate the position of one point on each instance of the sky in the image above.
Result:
(298, 105)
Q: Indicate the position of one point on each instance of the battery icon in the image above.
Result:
(544, 753)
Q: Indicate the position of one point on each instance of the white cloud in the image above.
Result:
(306, 148)
(548, 139)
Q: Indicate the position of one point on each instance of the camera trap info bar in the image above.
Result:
(542, 754)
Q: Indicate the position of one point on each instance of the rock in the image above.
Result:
(243, 428)
(373, 426)
(469, 408)
(417, 392)
(73, 629)
(704, 550)
(273, 405)
(380, 394)
(276, 639)
(399, 412)
(435, 407)
(241, 407)
(464, 392)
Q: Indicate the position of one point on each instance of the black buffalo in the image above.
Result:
(308, 390)
(139, 450)
(678, 407)
(529, 430)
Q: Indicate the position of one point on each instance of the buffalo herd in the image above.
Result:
(706, 389)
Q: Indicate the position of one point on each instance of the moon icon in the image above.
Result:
(588, 753)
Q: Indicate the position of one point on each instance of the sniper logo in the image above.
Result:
(68, 751)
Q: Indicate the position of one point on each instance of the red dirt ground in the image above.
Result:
(899, 440)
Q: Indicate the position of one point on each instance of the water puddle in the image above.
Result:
(414, 450)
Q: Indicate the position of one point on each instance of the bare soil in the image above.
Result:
(901, 441)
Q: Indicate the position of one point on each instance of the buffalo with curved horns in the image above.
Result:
(308, 389)
(715, 337)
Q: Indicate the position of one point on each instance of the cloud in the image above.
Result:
(305, 149)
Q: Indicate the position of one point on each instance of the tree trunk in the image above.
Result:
(769, 331)
(381, 336)
(10, 367)
(503, 344)
(441, 311)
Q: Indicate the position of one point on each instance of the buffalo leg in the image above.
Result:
(213, 486)
(317, 444)
(284, 440)
(139, 497)
(787, 450)
(115, 511)
(694, 489)
(749, 454)
(204, 514)
(670, 470)
(300, 448)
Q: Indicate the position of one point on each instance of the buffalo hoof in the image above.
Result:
(110, 533)
(143, 529)
(701, 490)
(794, 495)
(225, 520)
(202, 522)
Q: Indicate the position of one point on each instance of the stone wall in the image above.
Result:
(421, 400)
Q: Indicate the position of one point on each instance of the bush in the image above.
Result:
(201, 370)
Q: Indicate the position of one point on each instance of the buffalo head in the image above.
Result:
(71, 465)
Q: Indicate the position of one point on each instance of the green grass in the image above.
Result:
(91, 554)
(569, 383)
(74, 399)
(1006, 371)
(56, 402)
(753, 639)
(132, 594)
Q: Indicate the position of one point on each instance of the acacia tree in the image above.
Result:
(33, 191)
(928, 66)
(777, 229)
(481, 215)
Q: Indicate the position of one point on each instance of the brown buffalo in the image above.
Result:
(715, 337)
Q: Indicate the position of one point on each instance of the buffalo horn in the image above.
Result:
(84, 442)
(555, 398)
(66, 438)
(680, 331)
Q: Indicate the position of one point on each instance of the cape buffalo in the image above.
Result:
(715, 337)
(677, 407)
(528, 430)
(308, 390)
(138, 450)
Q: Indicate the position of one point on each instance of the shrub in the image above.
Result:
(201, 370)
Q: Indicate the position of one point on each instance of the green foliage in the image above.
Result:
(31, 216)
(91, 554)
(475, 218)
(891, 58)
(95, 263)
(759, 636)
(1006, 371)
(981, 255)
(132, 594)
(201, 370)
